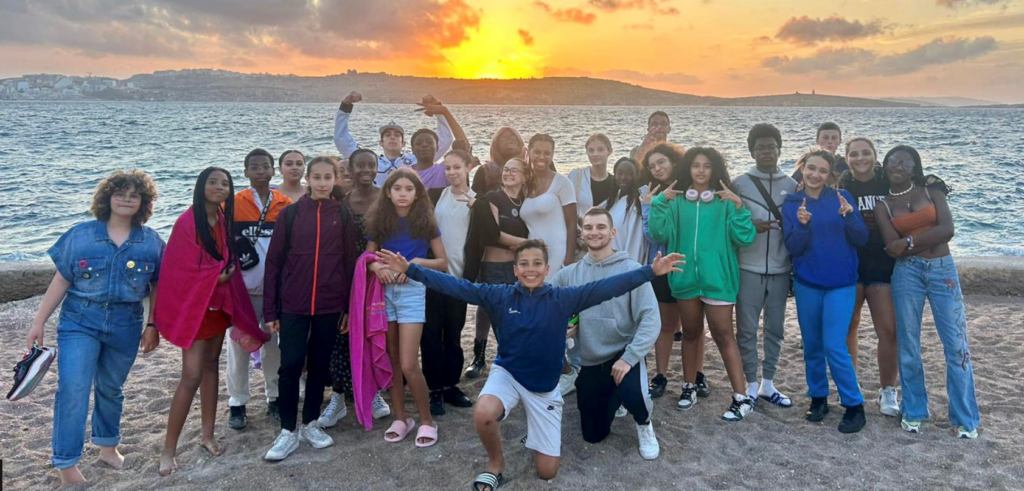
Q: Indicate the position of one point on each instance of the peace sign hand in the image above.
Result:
(726, 194)
(646, 198)
(844, 206)
(670, 192)
(802, 215)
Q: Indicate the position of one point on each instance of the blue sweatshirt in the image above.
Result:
(531, 326)
(825, 250)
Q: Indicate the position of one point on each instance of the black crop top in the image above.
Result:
(509, 220)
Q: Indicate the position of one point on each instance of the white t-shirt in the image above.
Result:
(629, 230)
(543, 216)
(452, 218)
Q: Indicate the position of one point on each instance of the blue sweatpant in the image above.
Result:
(824, 317)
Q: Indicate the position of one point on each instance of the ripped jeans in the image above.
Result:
(914, 280)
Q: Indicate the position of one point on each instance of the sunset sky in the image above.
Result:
(969, 48)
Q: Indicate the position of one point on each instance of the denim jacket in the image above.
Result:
(99, 271)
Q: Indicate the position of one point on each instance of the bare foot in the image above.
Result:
(71, 475)
(168, 464)
(213, 447)
(111, 457)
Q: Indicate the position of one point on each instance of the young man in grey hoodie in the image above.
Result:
(765, 266)
(613, 338)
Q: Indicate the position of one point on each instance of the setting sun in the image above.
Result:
(493, 53)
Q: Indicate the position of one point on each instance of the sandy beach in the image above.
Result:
(774, 448)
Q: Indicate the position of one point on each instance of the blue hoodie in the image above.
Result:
(531, 326)
(825, 250)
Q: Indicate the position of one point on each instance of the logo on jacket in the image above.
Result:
(512, 311)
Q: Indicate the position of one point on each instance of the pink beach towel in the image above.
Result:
(188, 277)
(368, 328)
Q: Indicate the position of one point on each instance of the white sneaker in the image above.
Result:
(688, 398)
(335, 411)
(963, 432)
(380, 408)
(284, 445)
(314, 435)
(739, 408)
(621, 412)
(888, 402)
(649, 448)
(567, 382)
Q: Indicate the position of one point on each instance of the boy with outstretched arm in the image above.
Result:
(531, 320)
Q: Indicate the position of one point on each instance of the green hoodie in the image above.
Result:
(708, 234)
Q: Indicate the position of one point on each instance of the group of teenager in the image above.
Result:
(346, 279)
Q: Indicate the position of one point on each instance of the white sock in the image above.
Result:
(739, 397)
(767, 388)
(752, 389)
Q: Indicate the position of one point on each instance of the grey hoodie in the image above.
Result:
(631, 321)
(768, 254)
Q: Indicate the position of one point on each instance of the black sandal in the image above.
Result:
(488, 479)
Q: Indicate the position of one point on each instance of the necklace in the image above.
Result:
(905, 191)
(513, 200)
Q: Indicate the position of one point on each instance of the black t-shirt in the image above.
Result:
(509, 220)
(602, 190)
(875, 265)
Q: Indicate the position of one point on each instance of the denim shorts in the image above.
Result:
(497, 273)
(406, 303)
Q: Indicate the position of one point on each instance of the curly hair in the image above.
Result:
(382, 217)
(719, 171)
(675, 156)
(763, 130)
(124, 181)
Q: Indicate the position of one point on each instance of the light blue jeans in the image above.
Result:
(96, 348)
(914, 280)
(824, 317)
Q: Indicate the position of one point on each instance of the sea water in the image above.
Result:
(52, 154)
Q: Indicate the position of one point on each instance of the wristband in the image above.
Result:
(910, 242)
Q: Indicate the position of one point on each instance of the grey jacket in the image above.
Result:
(631, 321)
(768, 254)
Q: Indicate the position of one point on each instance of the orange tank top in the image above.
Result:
(916, 222)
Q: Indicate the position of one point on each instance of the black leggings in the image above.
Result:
(442, 340)
(598, 398)
(305, 340)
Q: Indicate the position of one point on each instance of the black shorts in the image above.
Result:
(661, 289)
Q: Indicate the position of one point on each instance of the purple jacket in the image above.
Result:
(310, 272)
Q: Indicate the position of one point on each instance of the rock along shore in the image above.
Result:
(989, 275)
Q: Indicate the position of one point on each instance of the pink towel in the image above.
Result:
(188, 277)
(368, 329)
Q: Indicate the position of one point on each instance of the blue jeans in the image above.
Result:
(96, 348)
(824, 317)
(914, 280)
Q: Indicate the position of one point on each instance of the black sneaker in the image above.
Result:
(455, 397)
(818, 410)
(703, 389)
(237, 420)
(476, 368)
(657, 387)
(274, 411)
(853, 420)
(29, 372)
(436, 403)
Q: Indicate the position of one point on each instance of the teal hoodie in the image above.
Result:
(708, 234)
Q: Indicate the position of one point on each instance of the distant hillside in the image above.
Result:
(809, 100)
(209, 85)
(941, 101)
(204, 85)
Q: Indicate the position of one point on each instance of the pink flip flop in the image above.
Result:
(401, 428)
(426, 431)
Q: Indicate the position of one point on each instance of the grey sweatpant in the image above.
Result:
(761, 292)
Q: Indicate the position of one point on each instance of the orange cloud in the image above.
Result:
(526, 37)
(568, 15)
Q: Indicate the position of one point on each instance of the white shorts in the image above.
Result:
(543, 410)
(711, 301)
